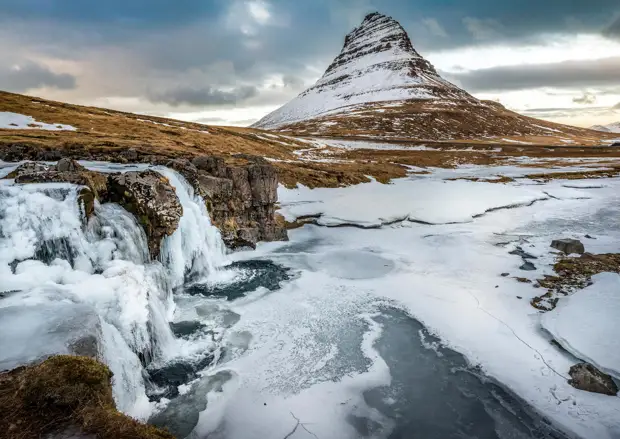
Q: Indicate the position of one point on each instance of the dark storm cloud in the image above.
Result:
(432, 24)
(28, 76)
(571, 74)
(206, 96)
(147, 13)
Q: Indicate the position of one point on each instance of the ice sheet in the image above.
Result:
(429, 201)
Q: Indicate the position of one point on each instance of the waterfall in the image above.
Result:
(196, 249)
(65, 279)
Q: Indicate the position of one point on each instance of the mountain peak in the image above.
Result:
(376, 64)
(377, 33)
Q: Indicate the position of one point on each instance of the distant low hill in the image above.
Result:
(611, 128)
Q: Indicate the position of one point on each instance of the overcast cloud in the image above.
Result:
(202, 56)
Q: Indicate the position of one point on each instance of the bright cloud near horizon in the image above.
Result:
(230, 62)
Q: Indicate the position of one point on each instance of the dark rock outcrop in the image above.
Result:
(151, 198)
(527, 266)
(568, 246)
(240, 197)
(586, 377)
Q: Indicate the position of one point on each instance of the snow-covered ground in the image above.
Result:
(586, 323)
(16, 121)
(448, 276)
(367, 336)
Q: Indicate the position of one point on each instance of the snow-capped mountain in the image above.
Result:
(377, 63)
(611, 128)
(380, 86)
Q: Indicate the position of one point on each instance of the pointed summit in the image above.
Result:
(377, 63)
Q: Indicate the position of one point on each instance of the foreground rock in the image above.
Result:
(586, 377)
(62, 395)
(569, 246)
(151, 198)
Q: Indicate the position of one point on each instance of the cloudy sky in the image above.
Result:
(232, 61)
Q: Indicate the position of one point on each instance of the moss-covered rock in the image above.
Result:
(65, 393)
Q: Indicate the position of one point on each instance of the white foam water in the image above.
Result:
(52, 257)
(196, 249)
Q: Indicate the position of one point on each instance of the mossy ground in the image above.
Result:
(573, 274)
(65, 393)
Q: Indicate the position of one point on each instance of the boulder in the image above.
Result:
(213, 165)
(527, 266)
(240, 197)
(151, 198)
(68, 165)
(131, 155)
(568, 246)
(586, 377)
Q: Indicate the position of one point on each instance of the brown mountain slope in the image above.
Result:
(121, 137)
(103, 129)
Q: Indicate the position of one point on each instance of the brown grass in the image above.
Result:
(437, 120)
(65, 393)
(108, 135)
(579, 175)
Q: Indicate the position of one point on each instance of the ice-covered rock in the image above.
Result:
(30, 333)
(586, 323)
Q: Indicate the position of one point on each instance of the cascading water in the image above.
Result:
(196, 249)
(64, 282)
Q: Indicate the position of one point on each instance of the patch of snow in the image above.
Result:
(517, 141)
(16, 121)
(586, 323)
(547, 128)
